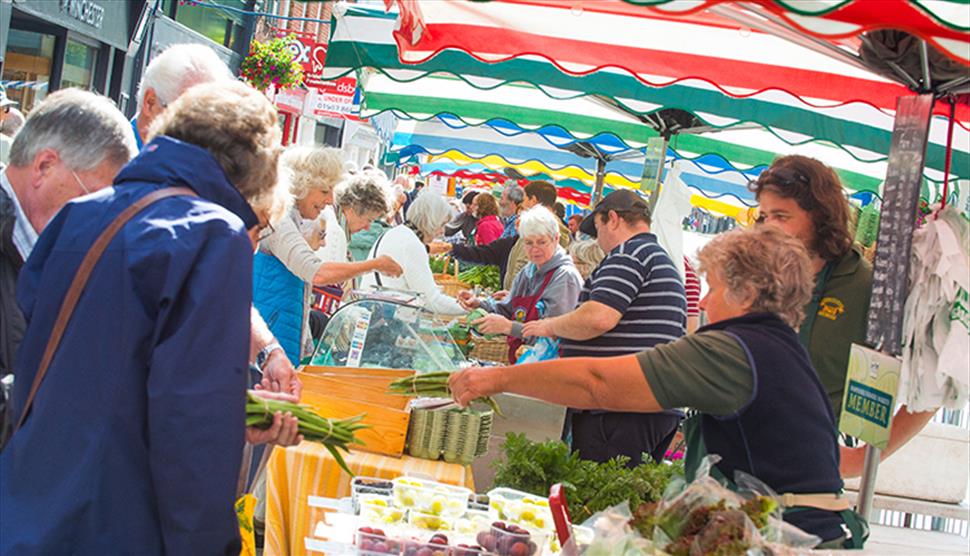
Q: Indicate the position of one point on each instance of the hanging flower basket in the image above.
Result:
(271, 64)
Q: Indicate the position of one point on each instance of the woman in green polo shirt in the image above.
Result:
(762, 407)
(804, 198)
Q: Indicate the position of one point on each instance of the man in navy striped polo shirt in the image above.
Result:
(632, 301)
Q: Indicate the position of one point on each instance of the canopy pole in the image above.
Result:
(655, 192)
(600, 178)
(890, 269)
(867, 485)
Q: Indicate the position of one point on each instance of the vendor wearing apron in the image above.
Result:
(760, 405)
(548, 286)
(805, 199)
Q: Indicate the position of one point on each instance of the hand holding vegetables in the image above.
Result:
(334, 434)
(437, 385)
(473, 384)
(492, 324)
(284, 430)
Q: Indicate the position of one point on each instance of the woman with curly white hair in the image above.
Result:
(761, 405)
(287, 265)
(407, 244)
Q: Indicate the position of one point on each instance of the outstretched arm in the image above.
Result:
(611, 383)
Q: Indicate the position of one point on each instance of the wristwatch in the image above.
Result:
(263, 354)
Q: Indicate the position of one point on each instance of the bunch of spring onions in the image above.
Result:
(334, 434)
(432, 385)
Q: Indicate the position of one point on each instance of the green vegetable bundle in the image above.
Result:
(432, 385)
(437, 265)
(334, 434)
(591, 487)
(475, 315)
(486, 276)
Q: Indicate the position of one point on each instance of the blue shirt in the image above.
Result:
(134, 442)
(639, 280)
(509, 229)
(134, 127)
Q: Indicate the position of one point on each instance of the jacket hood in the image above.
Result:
(172, 162)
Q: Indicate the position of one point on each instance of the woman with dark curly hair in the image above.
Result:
(804, 198)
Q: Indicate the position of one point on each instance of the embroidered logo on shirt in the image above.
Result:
(519, 315)
(830, 308)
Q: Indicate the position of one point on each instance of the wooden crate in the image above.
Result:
(341, 392)
(364, 385)
(389, 427)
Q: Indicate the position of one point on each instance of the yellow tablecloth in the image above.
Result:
(295, 473)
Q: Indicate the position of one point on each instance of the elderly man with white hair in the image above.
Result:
(167, 77)
(171, 73)
(407, 244)
(548, 286)
(72, 144)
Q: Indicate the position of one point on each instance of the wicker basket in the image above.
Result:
(457, 435)
(495, 350)
(450, 283)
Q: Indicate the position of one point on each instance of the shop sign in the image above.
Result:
(311, 55)
(337, 99)
(84, 11)
(291, 100)
(870, 395)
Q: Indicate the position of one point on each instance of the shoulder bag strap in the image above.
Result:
(81, 279)
(377, 275)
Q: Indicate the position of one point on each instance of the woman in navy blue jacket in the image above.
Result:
(134, 441)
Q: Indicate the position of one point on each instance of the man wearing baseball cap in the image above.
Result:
(632, 301)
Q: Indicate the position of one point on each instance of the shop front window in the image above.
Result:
(218, 25)
(79, 61)
(27, 67)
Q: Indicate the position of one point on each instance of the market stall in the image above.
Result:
(374, 339)
(480, 104)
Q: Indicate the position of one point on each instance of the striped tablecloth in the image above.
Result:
(295, 473)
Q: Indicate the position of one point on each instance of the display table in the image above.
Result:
(295, 473)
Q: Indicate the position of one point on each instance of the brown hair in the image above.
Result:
(544, 192)
(237, 125)
(631, 217)
(765, 265)
(817, 190)
(486, 204)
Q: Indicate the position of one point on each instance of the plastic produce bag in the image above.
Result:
(705, 518)
(543, 350)
(613, 536)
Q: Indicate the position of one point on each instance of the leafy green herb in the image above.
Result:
(591, 487)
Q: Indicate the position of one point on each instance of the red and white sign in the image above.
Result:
(335, 100)
(311, 55)
(291, 100)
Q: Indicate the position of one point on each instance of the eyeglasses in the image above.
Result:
(81, 183)
(265, 232)
(538, 244)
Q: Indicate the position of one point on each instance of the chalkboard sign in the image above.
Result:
(894, 241)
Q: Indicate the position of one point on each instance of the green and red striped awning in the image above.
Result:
(533, 91)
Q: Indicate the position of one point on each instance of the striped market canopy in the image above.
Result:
(534, 93)
(942, 23)
(661, 42)
(509, 145)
